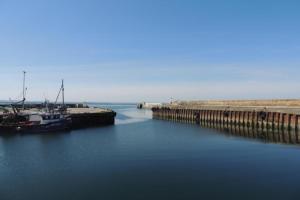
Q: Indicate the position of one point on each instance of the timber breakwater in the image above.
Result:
(273, 120)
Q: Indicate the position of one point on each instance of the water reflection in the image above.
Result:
(265, 135)
(129, 115)
(262, 132)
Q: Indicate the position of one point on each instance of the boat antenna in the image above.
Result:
(24, 90)
(63, 92)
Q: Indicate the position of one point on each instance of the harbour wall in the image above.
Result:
(91, 117)
(267, 116)
(146, 105)
(83, 117)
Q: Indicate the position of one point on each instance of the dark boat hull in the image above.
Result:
(63, 125)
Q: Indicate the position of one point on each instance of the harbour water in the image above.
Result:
(140, 158)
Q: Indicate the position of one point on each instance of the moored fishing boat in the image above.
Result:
(36, 122)
(47, 119)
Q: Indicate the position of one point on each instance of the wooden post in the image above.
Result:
(247, 119)
(222, 117)
(234, 118)
(296, 122)
(193, 118)
(279, 121)
(230, 118)
(256, 119)
(216, 117)
(243, 118)
(282, 120)
(253, 119)
(181, 115)
(200, 116)
(212, 117)
(292, 122)
(240, 118)
(273, 121)
(209, 117)
(297, 128)
(289, 127)
(268, 119)
(187, 114)
(204, 117)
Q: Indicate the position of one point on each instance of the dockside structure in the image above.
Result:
(82, 116)
(263, 116)
(90, 117)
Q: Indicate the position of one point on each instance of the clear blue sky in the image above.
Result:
(152, 50)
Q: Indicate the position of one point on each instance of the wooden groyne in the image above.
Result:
(274, 116)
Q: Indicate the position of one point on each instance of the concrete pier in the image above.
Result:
(147, 105)
(90, 117)
(281, 117)
(82, 117)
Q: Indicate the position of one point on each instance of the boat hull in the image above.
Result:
(63, 125)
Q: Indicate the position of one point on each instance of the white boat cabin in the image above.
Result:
(45, 118)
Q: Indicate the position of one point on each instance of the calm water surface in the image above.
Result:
(140, 158)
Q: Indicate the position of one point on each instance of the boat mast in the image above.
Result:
(23, 101)
(63, 92)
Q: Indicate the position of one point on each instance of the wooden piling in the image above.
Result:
(276, 126)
